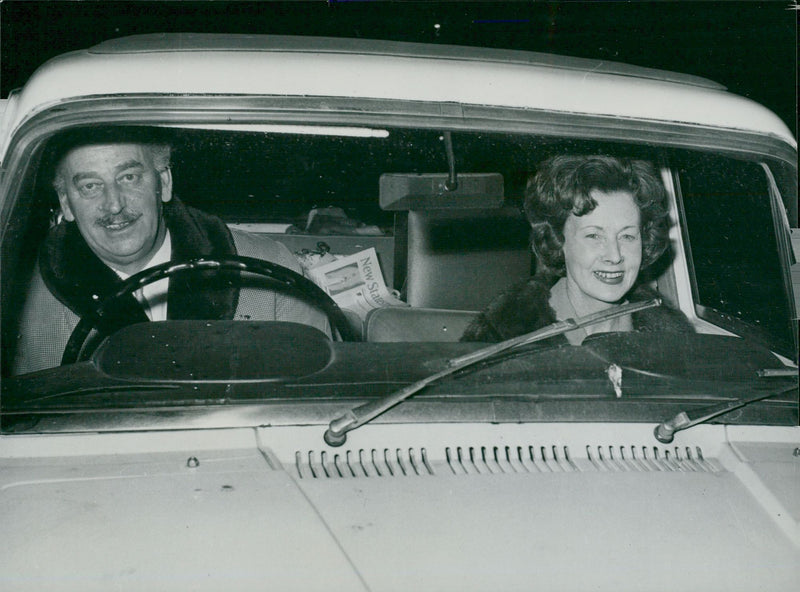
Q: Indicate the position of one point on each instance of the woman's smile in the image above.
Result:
(610, 277)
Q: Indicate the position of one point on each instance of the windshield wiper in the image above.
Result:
(665, 431)
(336, 434)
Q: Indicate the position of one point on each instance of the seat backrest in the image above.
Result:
(403, 323)
(461, 259)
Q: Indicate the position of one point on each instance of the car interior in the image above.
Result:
(441, 209)
(446, 254)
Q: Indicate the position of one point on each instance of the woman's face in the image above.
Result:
(603, 251)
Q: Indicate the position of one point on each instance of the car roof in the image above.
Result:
(187, 63)
(277, 43)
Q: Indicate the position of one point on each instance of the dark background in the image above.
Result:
(750, 47)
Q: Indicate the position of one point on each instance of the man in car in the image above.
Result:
(119, 216)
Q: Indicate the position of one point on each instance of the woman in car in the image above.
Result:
(597, 222)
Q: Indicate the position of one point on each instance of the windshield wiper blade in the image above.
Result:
(336, 434)
(665, 431)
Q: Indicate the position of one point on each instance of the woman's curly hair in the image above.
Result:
(562, 186)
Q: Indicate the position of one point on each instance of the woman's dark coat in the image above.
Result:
(525, 307)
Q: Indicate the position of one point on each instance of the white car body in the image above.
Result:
(238, 501)
(201, 64)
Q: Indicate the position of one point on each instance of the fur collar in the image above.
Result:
(80, 280)
(525, 307)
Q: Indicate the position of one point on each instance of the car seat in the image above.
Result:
(459, 259)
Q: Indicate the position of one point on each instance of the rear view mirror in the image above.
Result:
(430, 191)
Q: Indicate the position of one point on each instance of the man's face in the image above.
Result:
(114, 193)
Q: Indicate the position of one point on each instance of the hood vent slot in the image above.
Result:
(649, 458)
(557, 459)
(363, 463)
(509, 459)
(492, 460)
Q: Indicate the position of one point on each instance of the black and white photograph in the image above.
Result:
(399, 296)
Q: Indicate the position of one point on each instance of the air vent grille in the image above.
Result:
(495, 460)
(509, 459)
(363, 463)
(649, 458)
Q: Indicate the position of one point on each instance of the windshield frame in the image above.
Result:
(145, 110)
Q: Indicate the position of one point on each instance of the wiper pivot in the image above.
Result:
(665, 431)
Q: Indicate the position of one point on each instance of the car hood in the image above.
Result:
(243, 518)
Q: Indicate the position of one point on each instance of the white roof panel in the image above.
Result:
(304, 66)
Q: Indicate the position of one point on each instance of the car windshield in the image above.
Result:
(397, 239)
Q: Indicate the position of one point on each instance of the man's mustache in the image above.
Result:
(122, 218)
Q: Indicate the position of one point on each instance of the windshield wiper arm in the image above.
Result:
(336, 434)
(665, 431)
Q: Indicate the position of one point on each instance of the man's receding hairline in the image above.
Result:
(160, 153)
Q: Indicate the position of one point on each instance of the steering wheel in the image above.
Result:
(282, 277)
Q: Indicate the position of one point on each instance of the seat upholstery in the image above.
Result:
(402, 323)
(460, 259)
